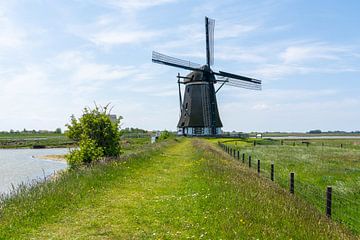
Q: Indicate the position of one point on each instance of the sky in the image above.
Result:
(57, 57)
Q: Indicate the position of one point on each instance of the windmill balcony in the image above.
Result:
(197, 131)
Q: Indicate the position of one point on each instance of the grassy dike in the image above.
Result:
(186, 189)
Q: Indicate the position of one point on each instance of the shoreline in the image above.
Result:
(53, 157)
(31, 147)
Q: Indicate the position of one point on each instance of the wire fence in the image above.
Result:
(343, 208)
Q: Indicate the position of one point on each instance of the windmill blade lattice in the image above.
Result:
(239, 83)
(235, 83)
(238, 77)
(174, 62)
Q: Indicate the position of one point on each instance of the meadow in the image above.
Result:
(317, 164)
(174, 189)
(29, 140)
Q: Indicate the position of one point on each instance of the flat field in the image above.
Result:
(28, 140)
(317, 164)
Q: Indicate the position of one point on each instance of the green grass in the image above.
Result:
(173, 190)
(28, 140)
(316, 167)
(336, 143)
(133, 144)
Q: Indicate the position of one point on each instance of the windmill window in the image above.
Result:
(186, 105)
(188, 89)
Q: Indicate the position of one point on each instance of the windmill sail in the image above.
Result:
(234, 80)
(209, 30)
(174, 62)
(234, 83)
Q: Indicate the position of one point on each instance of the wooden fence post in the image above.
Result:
(243, 157)
(272, 172)
(249, 161)
(328, 201)
(258, 167)
(292, 182)
(238, 155)
(234, 153)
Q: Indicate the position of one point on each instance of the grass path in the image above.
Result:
(133, 205)
(191, 190)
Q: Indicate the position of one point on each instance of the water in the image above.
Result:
(21, 166)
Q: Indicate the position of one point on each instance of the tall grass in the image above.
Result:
(172, 190)
(28, 206)
(321, 164)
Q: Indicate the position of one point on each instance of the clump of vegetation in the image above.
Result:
(98, 136)
(87, 153)
(164, 135)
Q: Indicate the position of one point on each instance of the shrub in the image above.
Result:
(88, 152)
(97, 135)
(164, 135)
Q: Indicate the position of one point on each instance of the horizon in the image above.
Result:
(58, 57)
(63, 130)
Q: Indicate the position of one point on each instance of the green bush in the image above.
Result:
(164, 135)
(97, 135)
(87, 153)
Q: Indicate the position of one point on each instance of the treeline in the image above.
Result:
(317, 131)
(25, 131)
(132, 130)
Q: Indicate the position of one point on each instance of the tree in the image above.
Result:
(317, 131)
(98, 136)
(58, 130)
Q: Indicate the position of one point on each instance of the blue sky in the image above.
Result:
(57, 57)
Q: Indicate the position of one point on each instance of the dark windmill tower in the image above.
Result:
(199, 111)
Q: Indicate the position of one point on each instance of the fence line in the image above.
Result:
(328, 200)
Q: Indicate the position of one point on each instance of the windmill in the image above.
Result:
(199, 113)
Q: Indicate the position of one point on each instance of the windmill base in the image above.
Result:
(197, 131)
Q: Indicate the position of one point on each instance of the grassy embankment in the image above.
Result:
(323, 163)
(29, 140)
(180, 190)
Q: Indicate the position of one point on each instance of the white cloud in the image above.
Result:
(11, 35)
(83, 67)
(289, 110)
(85, 75)
(137, 4)
(121, 36)
(107, 31)
(232, 30)
(311, 52)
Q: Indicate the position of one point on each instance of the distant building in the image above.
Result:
(259, 135)
(112, 117)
